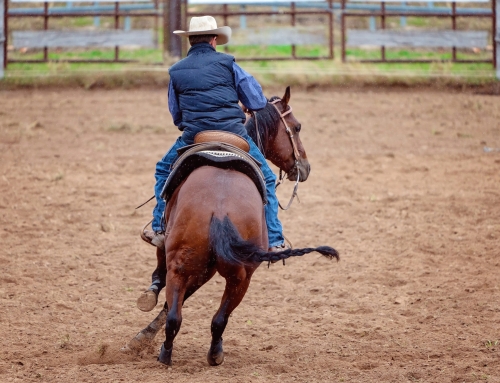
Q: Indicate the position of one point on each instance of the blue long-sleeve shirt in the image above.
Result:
(248, 89)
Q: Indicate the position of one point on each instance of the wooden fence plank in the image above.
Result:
(279, 36)
(82, 39)
(428, 39)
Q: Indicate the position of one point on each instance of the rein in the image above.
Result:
(257, 133)
(296, 153)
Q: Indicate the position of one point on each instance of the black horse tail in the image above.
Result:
(226, 242)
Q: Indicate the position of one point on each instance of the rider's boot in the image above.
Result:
(147, 300)
(278, 248)
(154, 238)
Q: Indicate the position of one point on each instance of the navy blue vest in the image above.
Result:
(204, 85)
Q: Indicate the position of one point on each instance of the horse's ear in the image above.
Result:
(286, 97)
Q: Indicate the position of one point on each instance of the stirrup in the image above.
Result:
(158, 240)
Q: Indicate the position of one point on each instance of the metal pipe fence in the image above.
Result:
(294, 12)
(382, 12)
(114, 11)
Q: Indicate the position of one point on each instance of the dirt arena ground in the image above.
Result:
(401, 185)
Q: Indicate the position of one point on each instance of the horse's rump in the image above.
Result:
(212, 192)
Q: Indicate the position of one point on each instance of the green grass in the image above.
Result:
(52, 68)
(305, 73)
(145, 56)
(405, 54)
(318, 72)
(154, 56)
(281, 51)
(444, 67)
(82, 21)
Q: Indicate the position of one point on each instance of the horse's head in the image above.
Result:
(285, 148)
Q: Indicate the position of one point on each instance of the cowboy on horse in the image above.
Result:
(203, 94)
(221, 210)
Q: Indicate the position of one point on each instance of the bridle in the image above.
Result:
(296, 152)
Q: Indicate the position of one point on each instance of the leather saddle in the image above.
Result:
(219, 154)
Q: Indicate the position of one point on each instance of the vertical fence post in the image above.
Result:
(402, 19)
(372, 23)
(382, 50)
(45, 27)
(343, 31)
(6, 33)
(175, 23)
(292, 8)
(185, 24)
(117, 26)
(155, 39)
(127, 25)
(97, 19)
(330, 30)
(225, 10)
(243, 18)
(166, 28)
(454, 27)
(3, 43)
(496, 35)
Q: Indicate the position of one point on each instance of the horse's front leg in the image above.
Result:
(145, 337)
(147, 300)
(236, 287)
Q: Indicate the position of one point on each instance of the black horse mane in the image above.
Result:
(267, 119)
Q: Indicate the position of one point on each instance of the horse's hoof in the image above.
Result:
(136, 344)
(147, 300)
(127, 350)
(165, 356)
(215, 356)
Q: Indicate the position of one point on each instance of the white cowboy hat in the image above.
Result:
(206, 25)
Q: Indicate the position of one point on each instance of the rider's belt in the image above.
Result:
(217, 154)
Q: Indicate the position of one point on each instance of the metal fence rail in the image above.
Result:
(293, 12)
(114, 10)
(293, 36)
(383, 14)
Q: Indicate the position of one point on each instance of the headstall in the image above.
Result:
(296, 153)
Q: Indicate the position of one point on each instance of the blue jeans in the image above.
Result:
(163, 168)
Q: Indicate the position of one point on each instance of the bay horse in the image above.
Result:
(215, 223)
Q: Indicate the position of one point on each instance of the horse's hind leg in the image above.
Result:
(236, 287)
(177, 292)
(176, 288)
(145, 336)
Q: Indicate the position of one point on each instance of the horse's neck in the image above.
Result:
(260, 128)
